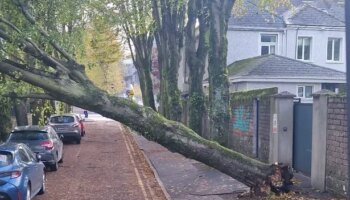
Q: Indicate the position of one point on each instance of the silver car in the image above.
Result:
(68, 126)
(42, 140)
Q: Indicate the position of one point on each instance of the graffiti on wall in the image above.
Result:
(242, 119)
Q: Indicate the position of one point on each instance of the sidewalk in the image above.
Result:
(187, 179)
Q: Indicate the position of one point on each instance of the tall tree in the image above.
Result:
(137, 23)
(102, 54)
(169, 16)
(196, 59)
(219, 98)
(64, 79)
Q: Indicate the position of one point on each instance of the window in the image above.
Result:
(304, 48)
(23, 156)
(333, 49)
(304, 92)
(268, 44)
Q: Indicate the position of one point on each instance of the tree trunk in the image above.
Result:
(142, 58)
(169, 38)
(20, 109)
(172, 135)
(219, 99)
(196, 57)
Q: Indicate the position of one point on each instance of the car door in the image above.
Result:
(31, 169)
(57, 142)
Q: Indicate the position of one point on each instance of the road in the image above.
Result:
(106, 165)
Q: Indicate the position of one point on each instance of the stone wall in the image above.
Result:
(250, 123)
(336, 156)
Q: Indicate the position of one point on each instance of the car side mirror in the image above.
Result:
(38, 157)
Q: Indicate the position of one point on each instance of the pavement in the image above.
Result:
(187, 179)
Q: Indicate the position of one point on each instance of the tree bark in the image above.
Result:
(20, 109)
(142, 58)
(169, 20)
(219, 99)
(196, 57)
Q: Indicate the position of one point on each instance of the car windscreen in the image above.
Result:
(5, 158)
(28, 135)
(62, 119)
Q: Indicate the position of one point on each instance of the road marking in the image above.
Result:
(143, 174)
(134, 165)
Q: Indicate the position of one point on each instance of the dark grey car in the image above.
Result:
(67, 125)
(42, 140)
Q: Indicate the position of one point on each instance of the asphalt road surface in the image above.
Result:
(106, 165)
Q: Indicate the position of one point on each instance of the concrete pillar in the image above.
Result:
(281, 128)
(319, 139)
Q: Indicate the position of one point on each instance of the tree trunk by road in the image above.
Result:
(20, 109)
(196, 57)
(169, 19)
(219, 97)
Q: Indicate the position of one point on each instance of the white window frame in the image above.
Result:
(303, 48)
(340, 49)
(304, 90)
(269, 44)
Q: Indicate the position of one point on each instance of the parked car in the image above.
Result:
(67, 125)
(42, 140)
(81, 120)
(22, 174)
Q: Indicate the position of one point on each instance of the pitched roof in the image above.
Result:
(273, 66)
(255, 17)
(329, 13)
(311, 16)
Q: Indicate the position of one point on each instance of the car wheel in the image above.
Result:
(43, 186)
(28, 195)
(54, 167)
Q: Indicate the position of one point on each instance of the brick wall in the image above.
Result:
(250, 123)
(336, 156)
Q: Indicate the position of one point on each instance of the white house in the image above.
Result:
(294, 76)
(312, 31)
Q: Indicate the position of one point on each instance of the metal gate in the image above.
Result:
(302, 138)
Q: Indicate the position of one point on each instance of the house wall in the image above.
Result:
(289, 87)
(318, 45)
(244, 44)
(336, 144)
(236, 87)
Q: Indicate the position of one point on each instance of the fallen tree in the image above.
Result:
(65, 80)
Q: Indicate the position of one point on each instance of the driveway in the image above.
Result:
(106, 165)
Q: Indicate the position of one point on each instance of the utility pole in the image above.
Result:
(347, 20)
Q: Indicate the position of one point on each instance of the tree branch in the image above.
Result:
(23, 6)
(29, 96)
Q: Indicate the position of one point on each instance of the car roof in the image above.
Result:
(31, 128)
(9, 147)
(65, 114)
